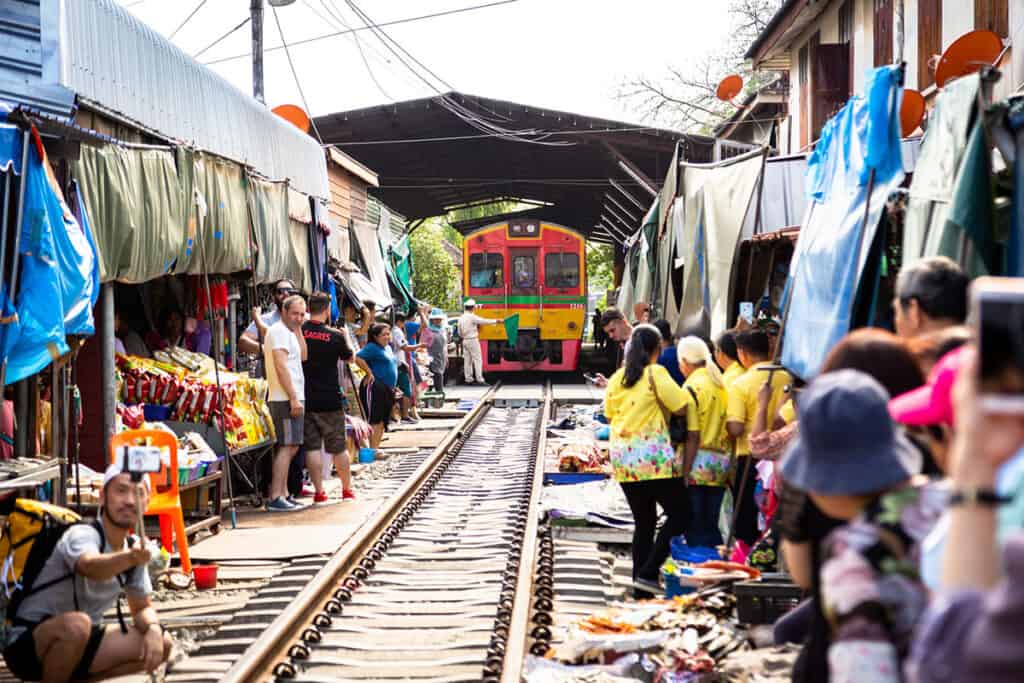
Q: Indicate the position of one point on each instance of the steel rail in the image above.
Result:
(257, 663)
(519, 628)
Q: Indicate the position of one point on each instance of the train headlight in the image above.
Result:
(572, 326)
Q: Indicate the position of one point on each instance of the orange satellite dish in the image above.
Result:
(968, 54)
(729, 87)
(293, 115)
(911, 112)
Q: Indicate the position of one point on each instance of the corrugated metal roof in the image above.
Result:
(29, 66)
(113, 60)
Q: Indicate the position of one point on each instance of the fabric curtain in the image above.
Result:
(937, 169)
(59, 282)
(275, 254)
(846, 205)
(218, 229)
(135, 202)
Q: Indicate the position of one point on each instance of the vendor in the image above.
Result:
(127, 341)
(174, 332)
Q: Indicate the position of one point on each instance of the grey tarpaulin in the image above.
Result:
(275, 258)
(136, 208)
(935, 173)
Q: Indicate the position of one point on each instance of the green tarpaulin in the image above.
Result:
(218, 242)
(136, 209)
(276, 257)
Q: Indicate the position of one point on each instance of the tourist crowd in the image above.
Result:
(890, 494)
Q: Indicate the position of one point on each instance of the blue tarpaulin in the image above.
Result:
(58, 282)
(842, 218)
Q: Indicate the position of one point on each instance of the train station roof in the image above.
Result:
(454, 150)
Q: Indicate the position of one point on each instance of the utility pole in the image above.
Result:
(256, 14)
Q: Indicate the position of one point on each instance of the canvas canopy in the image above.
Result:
(855, 166)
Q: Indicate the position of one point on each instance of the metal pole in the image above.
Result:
(106, 333)
(900, 32)
(218, 340)
(57, 432)
(233, 329)
(21, 418)
(256, 13)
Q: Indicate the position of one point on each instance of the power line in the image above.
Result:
(295, 75)
(451, 138)
(467, 116)
(187, 19)
(216, 42)
(367, 28)
(336, 15)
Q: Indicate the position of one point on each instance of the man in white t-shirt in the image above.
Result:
(284, 350)
(469, 332)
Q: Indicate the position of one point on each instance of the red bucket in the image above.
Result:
(205, 576)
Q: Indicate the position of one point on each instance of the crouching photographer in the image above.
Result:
(55, 630)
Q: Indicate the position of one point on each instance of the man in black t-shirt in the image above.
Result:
(325, 416)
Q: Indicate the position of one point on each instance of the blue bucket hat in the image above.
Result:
(436, 314)
(847, 442)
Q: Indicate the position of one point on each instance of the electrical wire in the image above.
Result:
(452, 138)
(223, 37)
(355, 36)
(295, 75)
(448, 103)
(187, 19)
(394, 22)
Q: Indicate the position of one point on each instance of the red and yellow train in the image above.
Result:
(538, 270)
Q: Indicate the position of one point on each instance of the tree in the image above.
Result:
(600, 267)
(684, 98)
(435, 278)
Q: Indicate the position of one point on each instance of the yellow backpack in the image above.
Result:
(27, 540)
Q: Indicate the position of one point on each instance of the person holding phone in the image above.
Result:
(972, 633)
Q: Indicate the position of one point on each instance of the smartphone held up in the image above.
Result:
(997, 314)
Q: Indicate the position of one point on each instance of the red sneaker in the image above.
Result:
(307, 490)
(348, 494)
(320, 497)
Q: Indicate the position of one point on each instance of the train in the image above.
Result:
(538, 270)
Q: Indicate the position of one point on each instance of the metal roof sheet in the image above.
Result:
(29, 66)
(116, 63)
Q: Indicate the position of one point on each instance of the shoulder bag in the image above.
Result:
(676, 424)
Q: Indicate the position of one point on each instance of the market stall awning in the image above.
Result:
(437, 153)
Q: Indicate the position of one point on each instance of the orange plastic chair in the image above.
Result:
(164, 501)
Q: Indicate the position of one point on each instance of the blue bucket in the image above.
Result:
(673, 587)
(692, 554)
(367, 455)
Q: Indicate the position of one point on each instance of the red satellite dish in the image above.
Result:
(729, 87)
(968, 54)
(294, 115)
(911, 112)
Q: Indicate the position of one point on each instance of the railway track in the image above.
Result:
(440, 584)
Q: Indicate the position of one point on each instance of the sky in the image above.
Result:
(569, 55)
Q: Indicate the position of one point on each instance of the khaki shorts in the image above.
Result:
(326, 429)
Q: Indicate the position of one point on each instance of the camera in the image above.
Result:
(140, 460)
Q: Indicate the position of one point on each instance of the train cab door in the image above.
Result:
(524, 279)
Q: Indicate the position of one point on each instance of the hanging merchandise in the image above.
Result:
(855, 166)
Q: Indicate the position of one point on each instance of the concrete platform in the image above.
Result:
(576, 393)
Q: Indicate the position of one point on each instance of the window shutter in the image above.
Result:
(883, 32)
(929, 39)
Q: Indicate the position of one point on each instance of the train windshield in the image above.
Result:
(524, 269)
(485, 270)
(561, 271)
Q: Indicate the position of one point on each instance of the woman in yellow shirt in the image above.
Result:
(707, 457)
(638, 397)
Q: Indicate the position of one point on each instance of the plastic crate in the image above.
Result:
(764, 601)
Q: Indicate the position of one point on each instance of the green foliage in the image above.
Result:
(600, 267)
(435, 278)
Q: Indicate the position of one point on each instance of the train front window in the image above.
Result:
(524, 272)
(561, 271)
(485, 270)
